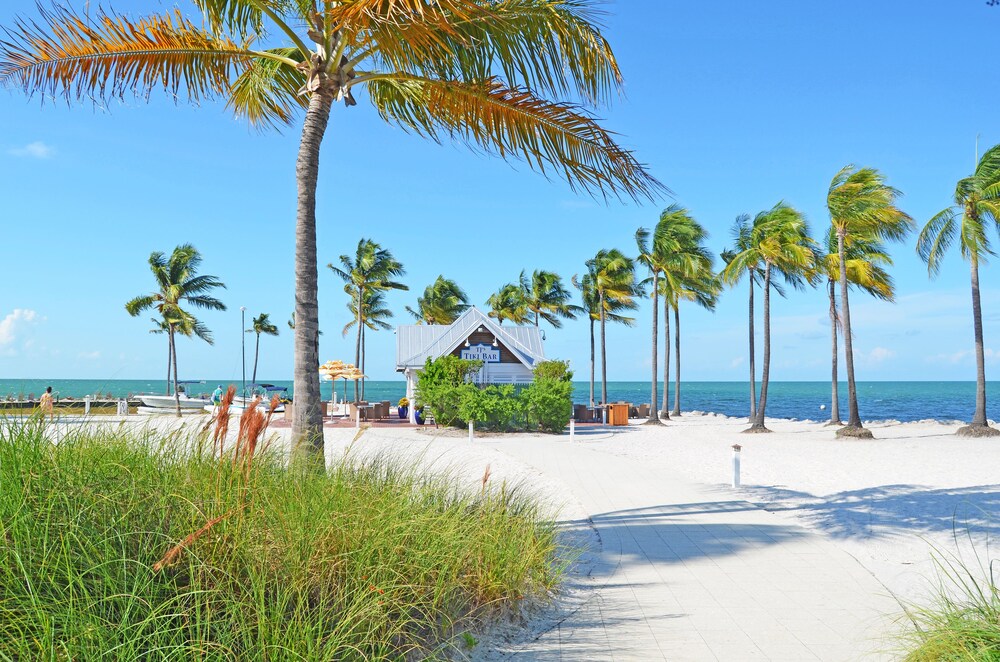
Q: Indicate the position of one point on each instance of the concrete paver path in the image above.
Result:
(692, 572)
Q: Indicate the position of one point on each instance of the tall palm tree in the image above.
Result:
(613, 279)
(475, 71)
(651, 254)
(546, 297)
(866, 262)
(687, 275)
(975, 213)
(701, 286)
(442, 303)
(375, 317)
(779, 241)
(508, 303)
(862, 206)
(372, 269)
(178, 283)
(187, 327)
(260, 324)
(611, 311)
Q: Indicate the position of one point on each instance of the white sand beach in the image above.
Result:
(809, 559)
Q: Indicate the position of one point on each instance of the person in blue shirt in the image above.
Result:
(217, 396)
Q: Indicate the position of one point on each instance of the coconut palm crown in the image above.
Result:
(508, 303)
(546, 297)
(442, 303)
(507, 77)
(972, 219)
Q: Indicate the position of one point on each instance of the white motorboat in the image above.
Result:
(169, 402)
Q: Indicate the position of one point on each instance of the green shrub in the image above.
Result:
(367, 561)
(553, 371)
(549, 404)
(443, 383)
(493, 408)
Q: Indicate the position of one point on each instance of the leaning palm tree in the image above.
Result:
(976, 212)
(260, 324)
(178, 283)
(611, 311)
(189, 326)
(443, 301)
(508, 303)
(866, 262)
(477, 71)
(862, 206)
(613, 279)
(778, 241)
(372, 269)
(701, 286)
(546, 297)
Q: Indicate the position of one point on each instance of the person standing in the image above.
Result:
(45, 403)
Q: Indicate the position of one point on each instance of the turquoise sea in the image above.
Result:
(902, 401)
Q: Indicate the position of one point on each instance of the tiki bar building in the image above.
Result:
(509, 353)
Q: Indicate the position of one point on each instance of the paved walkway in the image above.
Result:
(690, 572)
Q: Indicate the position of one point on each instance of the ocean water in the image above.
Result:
(901, 401)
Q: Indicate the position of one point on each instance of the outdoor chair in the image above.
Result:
(643, 411)
(386, 409)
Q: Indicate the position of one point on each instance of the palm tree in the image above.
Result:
(187, 327)
(612, 309)
(702, 287)
(862, 206)
(260, 324)
(508, 303)
(651, 255)
(613, 280)
(177, 284)
(546, 297)
(778, 240)
(442, 303)
(866, 261)
(976, 210)
(374, 316)
(372, 269)
(474, 71)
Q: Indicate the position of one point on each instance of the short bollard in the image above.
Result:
(122, 408)
(736, 464)
(472, 430)
(572, 429)
(86, 405)
(357, 419)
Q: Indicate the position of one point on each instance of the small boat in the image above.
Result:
(263, 391)
(168, 403)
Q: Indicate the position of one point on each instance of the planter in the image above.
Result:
(403, 411)
(420, 417)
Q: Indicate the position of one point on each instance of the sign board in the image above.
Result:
(482, 352)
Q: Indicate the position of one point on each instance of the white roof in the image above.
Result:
(415, 343)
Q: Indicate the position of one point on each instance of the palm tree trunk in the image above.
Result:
(357, 345)
(664, 411)
(654, 417)
(853, 417)
(753, 367)
(591, 362)
(170, 361)
(307, 422)
(765, 375)
(677, 361)
(173, 352)
(834, 385)
(364, 339)
(604, 357)
(979, 425)
(256, 355)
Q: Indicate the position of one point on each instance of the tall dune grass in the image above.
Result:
(367, 561)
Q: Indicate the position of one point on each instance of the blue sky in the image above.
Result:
(733, 105)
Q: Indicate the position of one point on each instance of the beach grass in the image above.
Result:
(121, 546)
(962, 623)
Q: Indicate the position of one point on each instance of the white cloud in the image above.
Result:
(15, 320)
(35, 150)
(90, 356)
(880, 354)
(737, 362)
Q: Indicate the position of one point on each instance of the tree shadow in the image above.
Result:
(890, 509)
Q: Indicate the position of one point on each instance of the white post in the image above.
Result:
(572, 429)
(472, 433)
(412, 413)
(736, 465)
(357, 419)
(86, 405)
(604, 415)
(123, 407)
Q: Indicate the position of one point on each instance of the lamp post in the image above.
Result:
(243, 346)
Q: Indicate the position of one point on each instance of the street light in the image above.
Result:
(243, 348)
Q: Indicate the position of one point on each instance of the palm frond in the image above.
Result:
(266, 92)
(513, 122)
(936, 237)
(106, 55)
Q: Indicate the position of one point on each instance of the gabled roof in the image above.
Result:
(415, 343)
